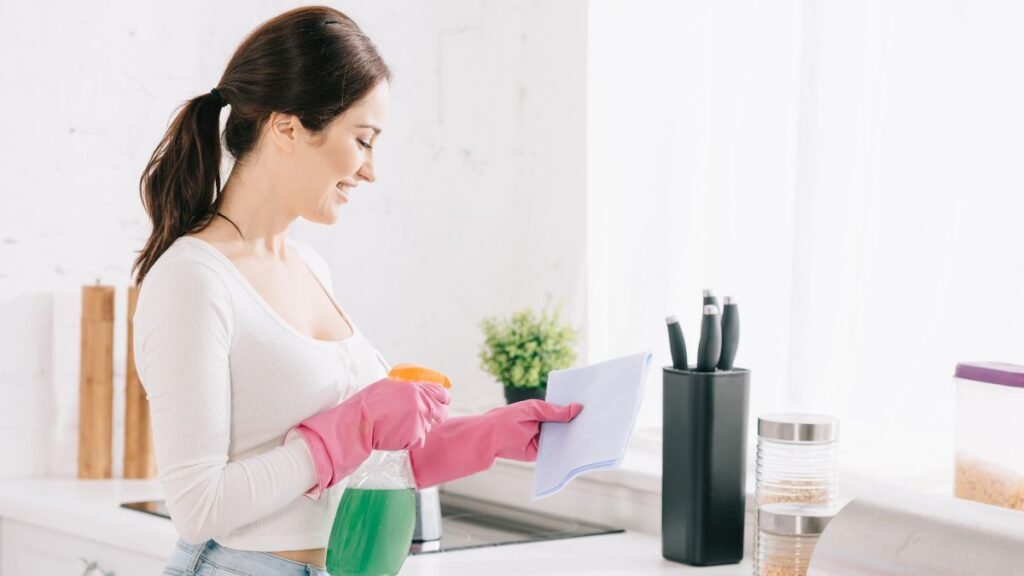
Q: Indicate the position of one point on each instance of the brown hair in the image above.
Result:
(313, 62)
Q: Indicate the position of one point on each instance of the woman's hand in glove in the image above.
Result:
(466, 445)
(386, 415)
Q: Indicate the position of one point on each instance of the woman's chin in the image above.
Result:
(332, 210)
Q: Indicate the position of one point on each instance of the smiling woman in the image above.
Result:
(264, 395)
(308, 93)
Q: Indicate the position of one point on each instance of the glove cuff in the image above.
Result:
(321, 459)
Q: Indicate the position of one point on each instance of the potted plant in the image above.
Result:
(521, 349)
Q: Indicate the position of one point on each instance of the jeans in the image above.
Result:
(211, 558)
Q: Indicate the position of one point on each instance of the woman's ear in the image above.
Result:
(284, 130)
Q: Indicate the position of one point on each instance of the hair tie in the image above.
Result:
(216, 94)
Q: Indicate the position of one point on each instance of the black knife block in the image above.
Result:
(704, 455)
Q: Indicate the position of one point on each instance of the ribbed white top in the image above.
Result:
(226, 377)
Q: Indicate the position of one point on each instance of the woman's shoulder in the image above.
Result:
(188, 252)
(188, 261)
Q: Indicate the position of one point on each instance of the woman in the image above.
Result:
(264, 395)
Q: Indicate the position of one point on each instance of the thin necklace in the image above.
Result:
(232, 223)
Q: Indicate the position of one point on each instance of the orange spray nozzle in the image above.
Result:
(416, 373)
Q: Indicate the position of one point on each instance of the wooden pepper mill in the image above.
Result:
(96, 382)
(139, 460)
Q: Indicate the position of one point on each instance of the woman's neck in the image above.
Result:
(260, 213)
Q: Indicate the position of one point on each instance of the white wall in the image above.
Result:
(909, 250)
(481, 182)
(849, 170)
(691, 168)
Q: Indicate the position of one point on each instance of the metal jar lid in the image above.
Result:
(798, 427)
(794, 519)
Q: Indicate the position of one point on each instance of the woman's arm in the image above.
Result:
(465, 445)
(182, 335)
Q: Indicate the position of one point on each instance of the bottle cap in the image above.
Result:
(416, 373)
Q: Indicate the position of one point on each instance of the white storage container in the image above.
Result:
(989, 426)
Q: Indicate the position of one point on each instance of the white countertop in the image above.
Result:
(91, 509)
(629, 553)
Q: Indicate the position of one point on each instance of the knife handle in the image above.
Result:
(710, 298)
(676, 344)
(730, 334)
(710, 348)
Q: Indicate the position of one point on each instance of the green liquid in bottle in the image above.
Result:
(372, 532)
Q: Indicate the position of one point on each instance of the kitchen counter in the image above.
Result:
(629, 553)
(91, 509)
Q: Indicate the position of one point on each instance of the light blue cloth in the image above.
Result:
(211, 558)
(596, 439)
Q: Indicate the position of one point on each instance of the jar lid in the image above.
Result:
(797, 427)
(794, 519)
(992, 373)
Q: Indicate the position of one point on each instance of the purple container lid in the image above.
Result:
(992, 372)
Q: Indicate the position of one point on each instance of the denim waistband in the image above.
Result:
(245, 561)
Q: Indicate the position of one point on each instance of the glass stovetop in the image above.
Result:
(473, 523)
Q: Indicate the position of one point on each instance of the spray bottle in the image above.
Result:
(374, 525)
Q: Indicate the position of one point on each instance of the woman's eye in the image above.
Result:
(364, 144)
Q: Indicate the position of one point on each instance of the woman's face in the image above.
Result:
(328, 166)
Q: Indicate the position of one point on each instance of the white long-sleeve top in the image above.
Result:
(226, 377)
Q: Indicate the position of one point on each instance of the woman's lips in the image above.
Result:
(343, 191)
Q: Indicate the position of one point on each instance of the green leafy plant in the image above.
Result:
(520, 350)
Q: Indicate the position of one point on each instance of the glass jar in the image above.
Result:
(797, 459)
(797, 462)
(787, 535)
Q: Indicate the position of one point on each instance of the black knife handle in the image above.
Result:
(710, 348)
(710, 298)
(730, 334)
(676, 344)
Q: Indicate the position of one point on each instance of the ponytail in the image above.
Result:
(180, 187)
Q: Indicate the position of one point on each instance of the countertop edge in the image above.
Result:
(91, 509)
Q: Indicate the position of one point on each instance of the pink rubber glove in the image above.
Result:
(386, 415)
(466, 445)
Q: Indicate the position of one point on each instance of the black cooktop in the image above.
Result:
(472, 523)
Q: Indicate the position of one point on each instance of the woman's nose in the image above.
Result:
(366, 172)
